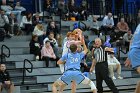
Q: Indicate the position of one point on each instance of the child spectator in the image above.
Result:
(5, 81)
(114, 64)
(47, 53)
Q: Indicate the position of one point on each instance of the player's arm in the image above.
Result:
(84, 46)
(109, 49)
(62, 59)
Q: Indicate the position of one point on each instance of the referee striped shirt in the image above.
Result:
(100, 54)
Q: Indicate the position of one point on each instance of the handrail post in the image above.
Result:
(3, 55)
(24, 69)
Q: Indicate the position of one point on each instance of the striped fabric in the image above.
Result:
(99, 54)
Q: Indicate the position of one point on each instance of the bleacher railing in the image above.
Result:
(121, 50)
(4, 55)
(26, 69)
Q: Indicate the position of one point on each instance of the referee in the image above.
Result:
(101, 66)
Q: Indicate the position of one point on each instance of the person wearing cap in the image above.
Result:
(113, 64)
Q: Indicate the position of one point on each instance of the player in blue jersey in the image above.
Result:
(134, 52)
(72, 72)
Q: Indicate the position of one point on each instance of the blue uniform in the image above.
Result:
(72, 68)
(134, 53)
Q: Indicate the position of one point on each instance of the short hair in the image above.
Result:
(73, 48)
(68, 34)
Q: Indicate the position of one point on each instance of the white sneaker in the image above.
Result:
(113, 77)
(119, 77)
(37, 57)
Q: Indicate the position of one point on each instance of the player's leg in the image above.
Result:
(138, 88)
(73, 87)
(87, 81)
(57, 84)
(138, 69)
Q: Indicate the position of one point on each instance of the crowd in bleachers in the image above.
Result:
(46, 40)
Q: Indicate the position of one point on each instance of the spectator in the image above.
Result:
(47, 53)
(95, 26)
(40, 32)
(108, 24)
(122, 28)
(4, 23)
(127, 38)
(52, 27)
(5, 81)
(6, 8)
(18, 7)
(26, 23)
(53, 42)
(35, 47)
(36, 19)
(113, 64)
(14, 26)
(73, 10)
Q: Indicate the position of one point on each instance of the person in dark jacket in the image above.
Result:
(5, 81)
(35, 47)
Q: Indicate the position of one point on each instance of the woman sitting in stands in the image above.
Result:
(35, 47)
(47, 53)
(39, 31)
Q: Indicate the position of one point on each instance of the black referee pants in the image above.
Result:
(101, 70)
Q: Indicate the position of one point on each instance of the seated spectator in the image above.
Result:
(52, 27)
(40, 32)
(122, 28)
(47, 53)
(18, 7)
(6, 8)
(83, 10)
(53, 42)
(114, 64)
(73, 10)
(127, 38)
(36, 19)
(138, 17)
(108, 24)
(4, 23)
(95, 26)
(26, 23)
(35, 47)
(5, 81)
(14, 26)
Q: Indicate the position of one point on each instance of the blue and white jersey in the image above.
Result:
(73, 60)
(136, 38)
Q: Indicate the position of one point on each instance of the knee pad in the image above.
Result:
(87, 81)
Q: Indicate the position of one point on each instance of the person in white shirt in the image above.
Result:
(114, 64)
(108, 24)
(6, 8)
(18, 7)
(40, 32)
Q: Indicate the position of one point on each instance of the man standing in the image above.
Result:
(73, 73)
(101, 66)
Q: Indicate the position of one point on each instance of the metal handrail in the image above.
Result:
(3, 55)
(26, 69)
(120, 50)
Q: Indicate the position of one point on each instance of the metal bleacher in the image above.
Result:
(42, 77)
